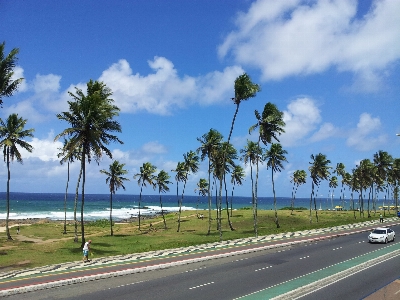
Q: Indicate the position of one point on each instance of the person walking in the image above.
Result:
(86, 249)
(380, 218)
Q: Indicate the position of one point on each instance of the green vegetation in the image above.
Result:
(44, 243)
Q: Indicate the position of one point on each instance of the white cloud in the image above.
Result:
(163, 90)
(19, 73)
(361, 138)
(45, 150)
(154, 148)
(46, 83)
(326, 130)
(286, 38)
(301, 117)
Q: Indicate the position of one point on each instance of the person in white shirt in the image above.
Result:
(86, 249)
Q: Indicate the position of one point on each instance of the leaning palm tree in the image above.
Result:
(115, 180)
(275, 157)
(252, 154)
(244, 90)
(237, 177)
(162, 181)
(91, 117)
(8, 84)
(319, 170)
(191, 165)
(383, 162)
(299, 177)
(70, 159)
(210, 142)
(145, 176)
(12, 135)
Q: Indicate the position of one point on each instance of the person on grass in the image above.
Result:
(86, 249)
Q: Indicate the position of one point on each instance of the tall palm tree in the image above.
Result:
(162, 181)
(8, 85)
(223, 163)
(340, 170)
(145, 176)
(12, 136)
(244, 90)
(299, 177)
(319, 170)
(252, 154)
(383, 162)
(364, 172)
(210, 142)
(394, 174)
(237, 177)
(191, 165)
(270, 125)
(333, 183)
(91, 117)
(202, 189)
(70, 159)
(275, 157)
(115, 180)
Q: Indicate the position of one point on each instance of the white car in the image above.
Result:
(381, 235)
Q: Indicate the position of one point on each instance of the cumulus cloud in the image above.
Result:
(325, 131)
(46, 83)
(19, 73)
(44, 149)
(301, 117)
(286, 38)
(164, 90)
(361, 138)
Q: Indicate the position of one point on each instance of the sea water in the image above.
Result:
(97, 206)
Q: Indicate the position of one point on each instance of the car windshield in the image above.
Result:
(379, 231)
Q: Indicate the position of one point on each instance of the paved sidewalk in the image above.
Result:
(20, 281)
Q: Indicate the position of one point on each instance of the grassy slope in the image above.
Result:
(43, 243)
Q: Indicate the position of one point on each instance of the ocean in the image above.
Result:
(97, 206)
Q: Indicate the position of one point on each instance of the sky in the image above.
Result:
(332, 68)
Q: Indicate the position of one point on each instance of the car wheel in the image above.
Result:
(386, 241)
(393, 238)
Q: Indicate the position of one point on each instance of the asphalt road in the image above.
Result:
(346, 267)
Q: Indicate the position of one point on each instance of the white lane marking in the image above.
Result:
(201, 285)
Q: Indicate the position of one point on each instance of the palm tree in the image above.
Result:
(210, 142)
(333, 183)
(394, 174)
(91, 117)
(145, 176)
(70, 159)
(270, 124)
(190, 165)
(299, 177)
(252, 154)
(115, 180)
(364, 173)
(8, 85)
(319, 170)
(162, 181)
(202, 188)
(244, 90)
(383, 162)
(275, 157)
(223, 163)
(340, 171)
(12, 135)
(237, 177)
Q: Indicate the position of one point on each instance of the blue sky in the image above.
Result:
(332, 67)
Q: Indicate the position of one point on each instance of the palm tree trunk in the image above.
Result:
(65, 203)
(252, 199)
(76, 206)
(276, 212)
(227, 208)
(209, 197)
(233, 188)
(311, 197)
(8, 195)
(180, 207)
(111, 224)
(83, 197)
(140, 201)
(315, 206)
(162, 213)
(220, 210)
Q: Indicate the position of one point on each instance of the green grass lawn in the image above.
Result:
(44, 243)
